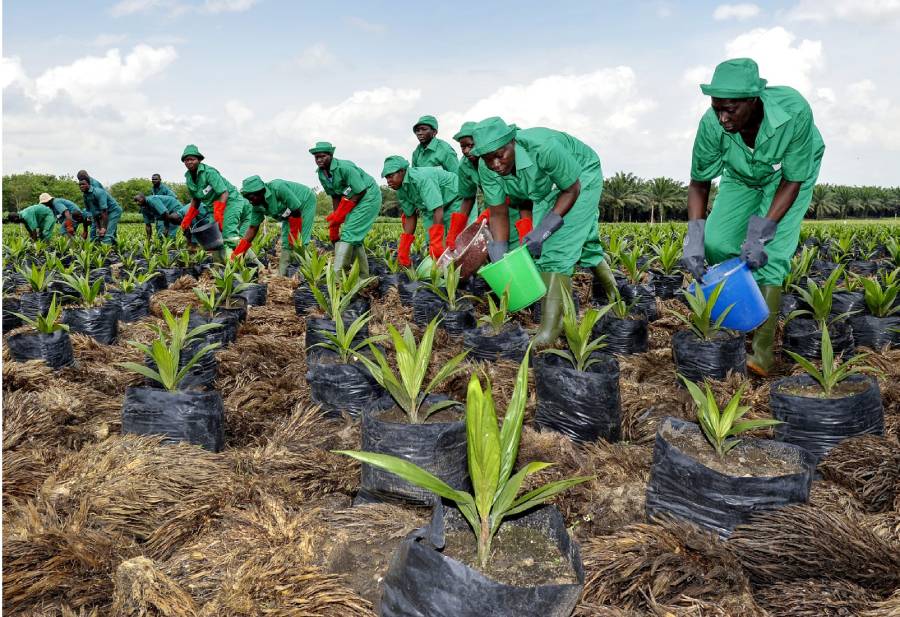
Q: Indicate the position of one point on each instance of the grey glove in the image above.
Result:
(693, 252)
(536, 238)
(497, 250)
(759, 231)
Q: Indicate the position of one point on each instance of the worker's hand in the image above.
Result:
(188, 219)
(436, 241)
(343, 209)
(240, 249)
(524, 226)
(403, 247)
(759, 231)
(84, 234)
(548, 226)
(497, 249)
(458, 222)
(101, 232)
(484, 216)
(295, 226)
(219, 213)
(693, 252)
(70, 228)
(334, 231)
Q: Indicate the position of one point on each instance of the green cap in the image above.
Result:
(429, 120)
(392, 164)
(322, 146)
(735, 79)
(466, 130)
(491, 134)
(252, 184)
(191, 150)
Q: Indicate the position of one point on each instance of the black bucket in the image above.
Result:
(208, 235)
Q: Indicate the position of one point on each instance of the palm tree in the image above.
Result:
(868, 200)
(820, 203)
(662, 193)
(622, 191)
(844, 197)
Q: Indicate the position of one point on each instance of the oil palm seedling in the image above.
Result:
(582, 345)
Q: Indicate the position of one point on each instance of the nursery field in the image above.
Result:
(103, 517)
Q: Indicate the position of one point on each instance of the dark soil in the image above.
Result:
(814, 390)
(744, 460)
(520, 557)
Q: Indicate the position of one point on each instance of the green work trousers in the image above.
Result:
(112, 226)
(577, 242)
(235, 221)
(361, 218)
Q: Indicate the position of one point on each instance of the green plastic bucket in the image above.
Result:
(518, 272)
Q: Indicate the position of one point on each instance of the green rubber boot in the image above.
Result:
(220, 256)
(284, 260)
(343, 256)
(552, 309)
(362, 259)
(251, 258)
(603, 274)
(762, 360)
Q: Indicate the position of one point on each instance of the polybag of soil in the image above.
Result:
(339, 388)
(317, 326)
(426, 306)
(863, 268)
(407, 291)
(848, 302)
(697, 360)
(437, 447)
(386, 282)
(665, 285)
(172, 274)
(623, 336)
(643, 298)
(357, 307)
(255, 294)
(157, 283)
(875, 332)
(34, 303)
(100, 323)
(803, 337)
(818, 424)
(225, 335)
(10, 321)
(237, 306)
(193, 417)
(422, 581)
(304, 300)
(54, 349)
(687, 489)
(583, 405)
(202, 375)
(457, 323)
(508, 344)
(134, 304)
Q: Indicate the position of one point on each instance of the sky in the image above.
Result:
(119, 87)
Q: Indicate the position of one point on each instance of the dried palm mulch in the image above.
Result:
(869, 466)
(888, 362)
(666, 563)
(797, 542)
(141, 589)
(818, 597)
(889, 607)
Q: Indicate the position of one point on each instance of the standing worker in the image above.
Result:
(432, 151)
(83, 175)
(763, 143)
(291, 203)
(68, 215)
(158, 188)
(562, 178)
(39, 221)
(105, 211)
(429, 191)
(163, 210)
(356, 200)
(211, 194)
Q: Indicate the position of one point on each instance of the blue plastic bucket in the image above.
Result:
(740, 291)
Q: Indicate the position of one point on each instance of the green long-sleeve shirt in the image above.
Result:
(39, 218)
(438, 153)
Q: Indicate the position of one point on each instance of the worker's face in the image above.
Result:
(140, 200)
(395, 180)
(466, 144)
(84, 185)
(191, 162)
(256, 198)
(502, 160)
(78, 217)
(156, 180)
(323, 160)
(734, 114)
(424, 133)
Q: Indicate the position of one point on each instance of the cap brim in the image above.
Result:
(728, 93)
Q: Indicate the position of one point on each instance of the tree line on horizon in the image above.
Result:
(626, 197)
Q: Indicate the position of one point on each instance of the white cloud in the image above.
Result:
(366, 26)
(107, 40)
(735, 11)
(315, 57)
(180, 7)
(859, 10)
(780, 61)
(12, 73)
(238, 112)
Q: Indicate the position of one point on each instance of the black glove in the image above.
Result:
(548, 226)
(693, 252)
(759, 231)
(497, 250)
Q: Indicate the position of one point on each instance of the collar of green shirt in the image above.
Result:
(432, 145)
(523, 159)
(774, 116)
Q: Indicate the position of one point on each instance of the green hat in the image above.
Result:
(429, 120)
(491, 134)
(322, 146)
(252, 184)
(393, 164)
(735, 79)
(191, 150)
(465, 130)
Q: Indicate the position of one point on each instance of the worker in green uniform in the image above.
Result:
(562, 178)
(467, 174)
(164, 211)
(105, 211)
(356, 200)
(158, 188)
(211, 194)
(432, 151)
(291, 203)
(68, 215)
(39, 221)
(83, 175)
(427, 191)
(763, 143)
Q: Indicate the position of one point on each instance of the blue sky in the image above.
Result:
(119, 87)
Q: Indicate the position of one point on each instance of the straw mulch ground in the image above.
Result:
(98, 524)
